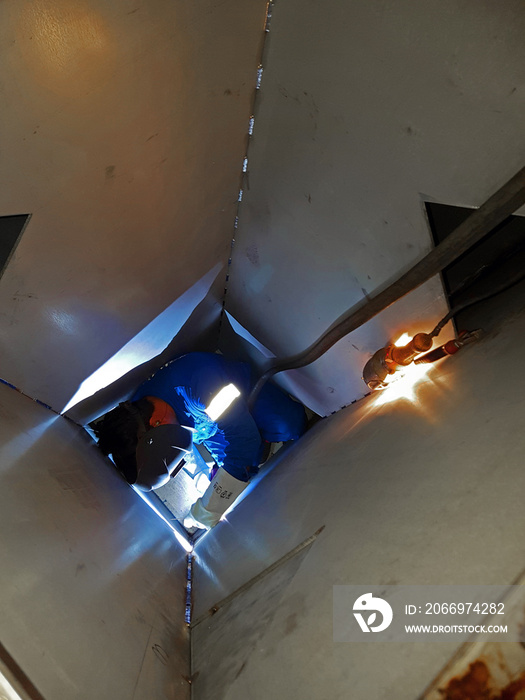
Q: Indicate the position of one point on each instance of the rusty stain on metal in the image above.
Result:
(477, 684)
(521, 634)
(514, 690)
(474, 685)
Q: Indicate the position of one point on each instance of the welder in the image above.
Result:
(149, 436)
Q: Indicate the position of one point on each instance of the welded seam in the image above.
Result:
(189, 587)
(40, 403)
(245, 175)
(189, 606)
(283, 560)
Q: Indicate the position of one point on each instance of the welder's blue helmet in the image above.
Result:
(160, 455)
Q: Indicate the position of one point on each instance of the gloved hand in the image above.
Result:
(223, 490)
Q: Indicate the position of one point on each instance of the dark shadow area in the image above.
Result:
(498, 257)
(11, 230)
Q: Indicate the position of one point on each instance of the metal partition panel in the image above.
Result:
(92, 583)
(366, 110)
(124, 131)
(426, 492)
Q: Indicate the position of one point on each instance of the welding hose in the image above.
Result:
(481, 221)
(470, 302)
(451, 347)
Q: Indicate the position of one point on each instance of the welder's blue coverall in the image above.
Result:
(235, 440)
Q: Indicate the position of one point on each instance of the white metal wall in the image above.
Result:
(366, 109)
(92, 583)
(428, 492)
(123, 132)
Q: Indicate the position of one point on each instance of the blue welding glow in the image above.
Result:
(244, 333)
(245, 164)
(23, 442)
(149, 342)
(179, 537)
(251, 125)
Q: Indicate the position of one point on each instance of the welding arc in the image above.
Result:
(470, 302)
(481, 221)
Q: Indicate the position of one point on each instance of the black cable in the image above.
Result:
(487, 268)
(470, 302)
